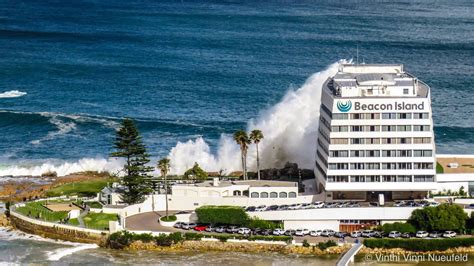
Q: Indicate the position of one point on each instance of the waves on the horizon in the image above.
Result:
(12, 94)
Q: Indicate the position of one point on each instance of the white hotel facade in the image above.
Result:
(375, 135)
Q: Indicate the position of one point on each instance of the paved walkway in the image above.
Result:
(348, 257)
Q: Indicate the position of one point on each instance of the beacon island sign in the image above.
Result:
(345, 106)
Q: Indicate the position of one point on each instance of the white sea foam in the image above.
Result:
(63, 128)
(12, 94)
(62, 252)
(290, 130)
(65, 168)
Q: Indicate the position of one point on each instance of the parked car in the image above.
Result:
(434, 203)
(178, 225)
(244, 231)
(188, 226)
(394, 234)
(343, 204)
(272, 208)
(294, 206)
(318, 204)
(435, 234)
(449, 234)
(221, 229)
(256, 231)
(470, 206)
(315, 233)
(368, 233)
(421, 234)
(211, 228)
(407, 235)
(356, 234)
(260, 208)
(302, 232)
(306, 206)
(373, 204)
(250, 209)
(200, 227)
(232, 229)
(330, 205)
(340, 234)
(290, 232)
(327, 232)
(379, 234)
(399, 204)
(353, 204)
(278, 232)
(266, 232)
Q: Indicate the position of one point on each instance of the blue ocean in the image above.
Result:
(188, 70)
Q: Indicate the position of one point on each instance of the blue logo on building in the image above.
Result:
(344, 106)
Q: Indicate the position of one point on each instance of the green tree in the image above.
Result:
(164, 166)
(243, 140)
(196, 172)
(462, 193)
(256, 136)
(443, 217)
(128, 144)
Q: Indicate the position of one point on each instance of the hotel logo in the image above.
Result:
(344, 106)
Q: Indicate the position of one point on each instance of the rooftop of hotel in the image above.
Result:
(375, 80)
(251, 183)
(456, 164)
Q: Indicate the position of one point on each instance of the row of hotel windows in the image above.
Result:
(338, 141)
(384, 178)
(377, 166)
(358, 116)
(385, 153)
(273, 195)
(385, 128)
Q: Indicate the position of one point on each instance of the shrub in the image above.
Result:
(169, 218)
(195, 172)
(145, 238)
(400, 227)
(259, 223)
(176, 237)
(120, 240)
(305, 243)
(439, 218)
(222, 215)
(193, 236)
(325, 245)
(420, 245)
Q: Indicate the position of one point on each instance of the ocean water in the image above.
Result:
(194, 71)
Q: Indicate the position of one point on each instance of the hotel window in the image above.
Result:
(421, 128)
(373, 116)
(339, 128)
(372, 153)
(283, 195)
(389, 128)
(357, 178)
(326, 110)
(421, 140)
(254, 195)
(389, 116)
(292, 195)
(389, 153)
(372, 141)
(404, 140)
(339, 116)
(389, 178)
(357, 141)
(404, 178)
(339, 141)
(273, 195)
(357, 166)
(372, 166)
(339, 153)
(370, 91)
(338, 178)
(389, 166)
(423, 178)
(422, 153)
(404, 115)
(264, 195)
(403, 153)
(357, 153)
(356, 128)
(372, 128)
(338, 166)
(406, 91)
(388, 141)
(404, 128)
(356, 116)
(423, 165)
(372, 178)
(421, 115)
(404, 166)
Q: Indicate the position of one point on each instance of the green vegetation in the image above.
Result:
(195, 172)
(470, 223)
(222, 215)
(170, 218)
(439, 218)
(255, 222)
(36, 210)
(400, 227)
(98, 221)
(123, 239)
(164, 166)
(256, 136)
(327, 244)
(128, 144)
(86, 188)
(421, 245)
(243, 140)
(93, 204)
(439, 168)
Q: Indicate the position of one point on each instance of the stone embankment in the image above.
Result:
(4, 221)
(203, 246)
(458, 250)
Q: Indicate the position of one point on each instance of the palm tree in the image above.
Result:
(256, 136)
(164, 166)
(243, 140)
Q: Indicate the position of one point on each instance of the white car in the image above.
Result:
(306, 206)
(315, 233)
(278, 232)
(188, 226)
(318, 204)
(449, 234)
(394, 234)
(434, 203)
(327, 232)
(356, 234)
(421, 234)
(302, 232)
(244, 231)
(294, 206)
(368, 233)
(260, 208)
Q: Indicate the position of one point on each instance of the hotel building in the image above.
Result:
(375, 135)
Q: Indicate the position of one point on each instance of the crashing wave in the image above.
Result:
(12, 94)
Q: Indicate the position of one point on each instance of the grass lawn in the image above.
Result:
(94, 204)
(86, 188)
(38, 211)
(98, 221)
(439, 168)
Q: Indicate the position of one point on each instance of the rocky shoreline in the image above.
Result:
(458, 250)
